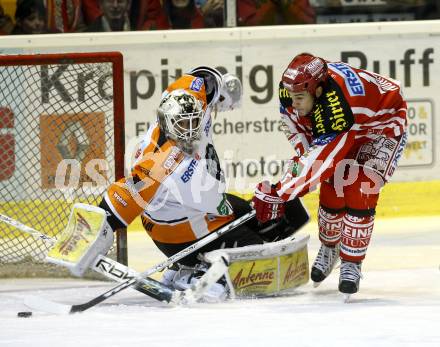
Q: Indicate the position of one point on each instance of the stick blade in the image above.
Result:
(40, 304)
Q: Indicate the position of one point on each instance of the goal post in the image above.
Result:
(61, 142)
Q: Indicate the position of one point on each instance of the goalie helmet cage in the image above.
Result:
(61, 142)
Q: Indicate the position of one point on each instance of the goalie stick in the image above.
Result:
(69, 309)
(27, 229)
(168, 262)
(147, 286)
(119, 272)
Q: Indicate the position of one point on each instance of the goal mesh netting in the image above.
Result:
(61, 141)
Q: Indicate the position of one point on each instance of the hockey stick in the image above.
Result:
(148, 286)
(26, 229)
(119, 272)
(69, 309)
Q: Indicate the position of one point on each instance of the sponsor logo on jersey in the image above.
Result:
(398, 154)
(284, 97)
(138, 153)
(196, 84)
(323, 140)
(189, 171)
(331, 114)
(119, 199)
(170, 161)
(384, 85)
(318, 115)
(352, 81)
(224, 208)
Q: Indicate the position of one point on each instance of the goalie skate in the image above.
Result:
(324, 263)
(189, 277)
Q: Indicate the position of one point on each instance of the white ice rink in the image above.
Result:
(398, 305)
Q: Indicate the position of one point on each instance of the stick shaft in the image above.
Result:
(199, 244)
(26, 229)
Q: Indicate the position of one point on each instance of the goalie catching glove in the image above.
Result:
(267, 204)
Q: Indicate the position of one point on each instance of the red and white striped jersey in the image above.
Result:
(356, 106)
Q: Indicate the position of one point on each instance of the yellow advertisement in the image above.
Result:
(80, 233)
(294, 269)
(254, 277)
(261, 277)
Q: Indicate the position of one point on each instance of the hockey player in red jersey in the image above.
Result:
(347, 127)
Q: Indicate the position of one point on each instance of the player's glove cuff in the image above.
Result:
(267, 204)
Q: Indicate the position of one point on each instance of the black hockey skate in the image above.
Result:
(349, 278)
(324, 263)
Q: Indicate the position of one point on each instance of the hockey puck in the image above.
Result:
(24, 314)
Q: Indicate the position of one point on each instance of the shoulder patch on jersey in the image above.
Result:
(196, 84)
(353, 82)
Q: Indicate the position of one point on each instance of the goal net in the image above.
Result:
(61, 142)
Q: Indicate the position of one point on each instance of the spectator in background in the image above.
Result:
(6, 24)
(115, 16)
(274, 12)
(212, 11)
(430, 9)
(30, 18)
(67, 16)
(170, 14)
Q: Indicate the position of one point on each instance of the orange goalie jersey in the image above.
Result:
(180, 197)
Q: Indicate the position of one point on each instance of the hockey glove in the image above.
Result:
(267, 204)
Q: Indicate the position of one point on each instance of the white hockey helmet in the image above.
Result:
(180, 117)
(231, 92)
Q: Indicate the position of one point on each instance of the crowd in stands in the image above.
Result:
(66, 16)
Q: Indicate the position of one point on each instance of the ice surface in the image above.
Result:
(398, 305)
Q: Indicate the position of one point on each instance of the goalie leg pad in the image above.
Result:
(86, 236)
(268, 269)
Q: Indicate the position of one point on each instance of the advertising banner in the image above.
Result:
(249, 141)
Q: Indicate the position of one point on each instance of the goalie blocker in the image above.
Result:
(86, 236)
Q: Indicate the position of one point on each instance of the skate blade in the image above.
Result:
(316, 284)
(346, 298)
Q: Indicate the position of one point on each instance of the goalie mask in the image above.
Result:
(180, 117)
(230, 93)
